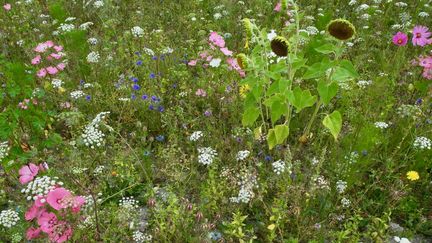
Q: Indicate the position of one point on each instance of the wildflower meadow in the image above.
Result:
(215, 121)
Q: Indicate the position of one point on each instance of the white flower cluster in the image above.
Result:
(98, 170)
(63, 28)
(137, 31)
(341, 186)
(40, 187)
(278, 167)
(312, 30)
(409, 111)
(92, 136)
(322, 183)
(86, 25)
(77, 94)
(241, 155)
(206, 155)
(98, 4)
(92, 41)
(422, 143)
(345, 202)
(57, 83)
(215, 62)
(93, 57)
(140, 237)
(401, 240)
(8, 218)
(381, 125)
(195, 136)
(128, 203)
(364, 83)
(4, 150)
(246, 193)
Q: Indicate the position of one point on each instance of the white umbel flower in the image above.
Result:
(341, 186)
(422, 143)
(241, 155)
(381, 125)
(8, 218)
(195, 136)
(278, 167)
(137, 32)
(93, 57)
(215, 62)
(4, 150)
(206, 155)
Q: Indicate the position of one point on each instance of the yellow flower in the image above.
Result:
(413, 175)
(243, 90)
(271, 227)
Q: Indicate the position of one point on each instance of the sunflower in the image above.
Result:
(242, 61)
(341, 29)
(280, 46)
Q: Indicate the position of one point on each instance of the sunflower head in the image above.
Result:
(242, 61)
(280, 46)
(247, 25)
(341, 29)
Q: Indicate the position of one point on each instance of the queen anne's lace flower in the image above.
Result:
(206, 155)
(140, 237)
(137, 31)
(422, 143)
(241, 155)
(381, 125)
(93, 57)
(278, 167)
(8, 218)
(4, 150)
(341, 186)
(195, 136)
(40, 187)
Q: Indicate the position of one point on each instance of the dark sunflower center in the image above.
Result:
(279, 47)
(341, 30)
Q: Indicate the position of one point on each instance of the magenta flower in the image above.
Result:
(42, 73)
(427, 73)
(35, 211)
(77, 202)
(400, 39)
(56, 198)
(33, 233)
(278, 7)
(192, 63)
(36, 60)
(27, 173)
(58, 48)
(52, 70)
(425, 62)
(421, 35)
(216, 39)
(61, 66)
(47, 221)
(60, 233)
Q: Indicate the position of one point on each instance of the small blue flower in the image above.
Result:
(154, 98)
(133, 96)
(144, 97)
(137, 53)
(151, 107)
(152, 75)
(88, 97)
(135, 80)
(419, 101)
(139, 63)
(161, 108)
(154, 58)
(82, 82)
(136, 87)
(268, 158)
(160, 138)
(207, 113)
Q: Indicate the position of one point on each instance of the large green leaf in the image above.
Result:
(301, 99)
(327, 91)
(345, 71)
(281, 133)
(334, 123)
(326, 48)
(250, 115)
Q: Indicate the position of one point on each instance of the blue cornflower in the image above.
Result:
(139, 63)
(154, 58)
(174, 86)
(268, 158)
(133, 96)
(137, 53)
(135, 80)
(82, 82)
(152, 75)
(136, 87)
(207, 113)
(161, 108)
(144, 97)
(154, 98)
(160, 138)
(88, 97)
(419, 101)
(151, 107)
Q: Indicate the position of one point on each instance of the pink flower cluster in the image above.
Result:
(58, 199)
(53, 55)
(426, 64)
(421, 37)
(7, 7)
(217, 42)
(24, 104)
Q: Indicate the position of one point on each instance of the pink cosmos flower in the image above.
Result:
(234, 65)
(201, 92)
(36, 60)
(27, 173)
(49, 43)
(421, 35)
(216, 39)
(42, 73)
(203, 55)
(56, 198)
(209, 58)
(192, 62)
(34, 211)
(41, 47)
(47, 221)
(60, 233)
(7, 6)
(278, 7)
(427, 73)
(52, 70)
(226, 52)
(400, 39)
(56, 56)
(425, 62)
(61, 66)
(58, 48)
(33, 233)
